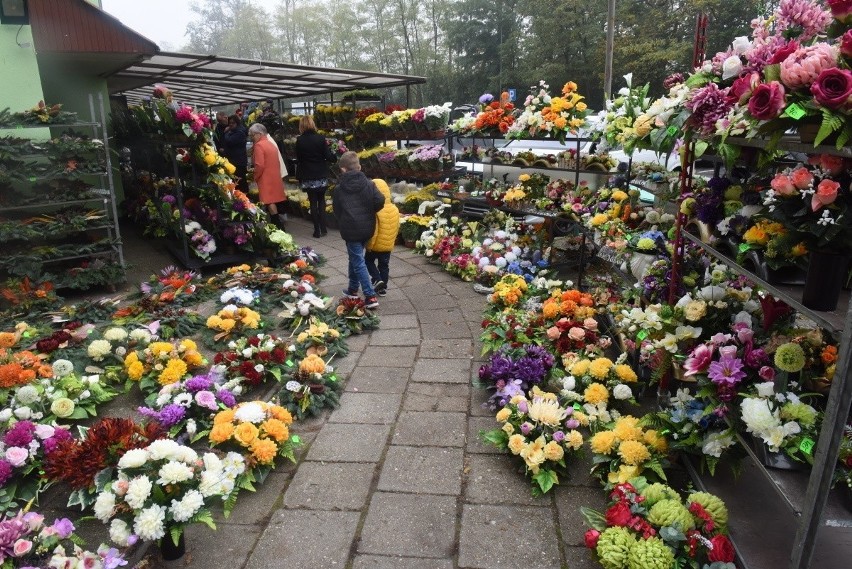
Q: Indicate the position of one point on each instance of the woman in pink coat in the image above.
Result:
(267, 172)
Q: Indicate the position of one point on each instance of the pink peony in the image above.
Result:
(767, 101)
(576, 334)
(826, 193)
(590, 324)
(802, 178)
(833, 88)
(841, 10)
(707, 105)
(783, 185)
(22, 547)
(698, 360)
(804, 18)
(803, 67)
(553, 333)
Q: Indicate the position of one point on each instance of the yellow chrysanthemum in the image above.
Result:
(264, 451)
(553, 451)
(533, 454)
(280, 413)
(226, 324)
(602, 442)
(135, 370)
(173, 372)
(656, 441)
(596, 393)
(599, 219)
(275, 429)
(625, 472)
(627, 429)
(508, 428)
(633, 452)
(517, 444)
(582, 418)
(158, 348)
(573, 440)
(226, 416)
(600, 367)
(625, 373)
(193, 359)
(214, 321)
(130, 358)
(581, 368)
(188, 344)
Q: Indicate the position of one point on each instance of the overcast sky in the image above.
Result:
(162, 21)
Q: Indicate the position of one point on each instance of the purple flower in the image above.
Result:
(59, 435)
(5, 471)
(522, 407)
(707, 105)
(526, 428)
(767, 373)
(206, 399)
(20, 435)
(171, 415)
(112, 558)
(755, 358)
(572, 424)
(486, 98)
(728, 371)
(198, 383)
(11, 530)
(226, 397)
(558, 436)
(168, 198)
(63, 527)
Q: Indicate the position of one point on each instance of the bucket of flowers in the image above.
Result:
(310, 388)
(540, 432)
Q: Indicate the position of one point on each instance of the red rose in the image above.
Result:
(218, 358)
(834, 165)
(618, 515)
(722, 550)
(846, 44)
(833, 88)
(767, 101)
(254, 341)
(743, 87)
(591, 538)
(841, 10)
(784, 52)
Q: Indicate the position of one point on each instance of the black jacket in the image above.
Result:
(234, 146)
(356, 200)
(312, 156)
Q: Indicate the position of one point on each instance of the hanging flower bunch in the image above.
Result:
(627, 450)
(257, 429)
(538, 430)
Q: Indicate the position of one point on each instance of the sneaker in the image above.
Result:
(371, 302)
(381, 288)
(349, 294)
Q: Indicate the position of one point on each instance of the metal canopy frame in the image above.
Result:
(212, 80)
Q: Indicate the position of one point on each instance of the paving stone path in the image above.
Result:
(397, 477)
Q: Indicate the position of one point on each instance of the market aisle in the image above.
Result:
(397, 476)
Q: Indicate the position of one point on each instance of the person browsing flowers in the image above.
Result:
(313, 155)
(267, 172)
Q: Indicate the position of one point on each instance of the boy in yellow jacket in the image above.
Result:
(380, 246)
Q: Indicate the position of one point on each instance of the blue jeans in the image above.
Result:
(358, 274)
(378, 265)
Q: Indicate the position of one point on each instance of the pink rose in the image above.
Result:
(783, 185)
(730, 351)
(802, 178)
(803, 67)
(590, 324)
(553, 333)
(832, 164)
(833, 88)
(767, 373)
(17, 456)
(22, 547)
(767, 101)
(846, 44)
(784, 53)
(743, 87)
(841, 10)
(826, 193)
(576, 333)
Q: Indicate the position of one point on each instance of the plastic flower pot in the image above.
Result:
(827, 273)
(171, 551)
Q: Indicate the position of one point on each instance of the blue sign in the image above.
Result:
(512, 94)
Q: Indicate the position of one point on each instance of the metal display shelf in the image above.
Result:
(790, 146)
(55, 204)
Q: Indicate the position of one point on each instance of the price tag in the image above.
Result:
(289, 362)
(577, 407)
(665, 432)
(794, 111)
(296, 439)
(671, 131)
(642, 335)
(744, 247)
(26, 334)
(32, 178)
(807, 445)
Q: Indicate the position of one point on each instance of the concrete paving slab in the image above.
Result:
(580, 558)
(436, 397)
(382, 562)
(449, 348)
(330, 486)
(388, 356)
(475, 444)
(442, 371)
(438, 429)
(206, 548)
(345, 365)
(409, 337)
(396, 321)
(497, 479)
(422, 470)
(347, 442)
(435, 302)
(411, 525)
(357, 343)
(442, 330)
(567, 500)
(368, 408)
(445, 315)
(305, 538)
(479, 401)
(378, 380)
(508, 536)
(402, 306)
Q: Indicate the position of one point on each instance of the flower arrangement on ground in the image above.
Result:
(351, 317)
(23, 447)
(310, 388)
(172, 286)
(162, 363)
(541, 432)
(651, 526)
(253, 360)
(231, 321)
(157, 490)
(626, 450)
(321, 339)
(514, 371)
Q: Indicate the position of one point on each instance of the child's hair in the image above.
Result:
(349, 161)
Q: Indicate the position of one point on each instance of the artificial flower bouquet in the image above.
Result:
(651, 526)
(112, 345)
(596, 380)
(157, 490)
(546, 115)
(302, 301)
(514, 371)
(538, 430)
(352, 317)
(780, 247)
(232, 321)
(781, 421)
(201, 243)
(320, 338)
(172, 286)
(625, 449)
(496, 116)
(508, 291)
(23, 446)
(260, 431)
(162, 363)
(29, 542)
(253, 360)
(310, 388)
(843, 471)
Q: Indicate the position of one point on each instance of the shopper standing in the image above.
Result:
(380, 246)
(313, 156)
(267, 172)
(234, 149)
(219, 131)
(356, 201)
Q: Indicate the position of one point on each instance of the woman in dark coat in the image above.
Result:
(234, 149)
(312, 159)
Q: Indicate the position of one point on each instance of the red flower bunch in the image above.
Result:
(255, 359)
(498, 115)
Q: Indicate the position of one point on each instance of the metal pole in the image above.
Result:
(610, 43)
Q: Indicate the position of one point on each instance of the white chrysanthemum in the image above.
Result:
(163, 449)
(622, 392)
(104, 506)
(187, 507)
(211, 484)
(115, 334)
(186, 455)
(119, 532)
(149, 524)
(61, 368)
(26, 395)
(133, 458)
(250, 412)
(138, 491)
(234, 464)
(212, 463)
(173, 472)
(98, 349)
(140, 335)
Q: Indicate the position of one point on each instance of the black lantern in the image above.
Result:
(14, 12)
